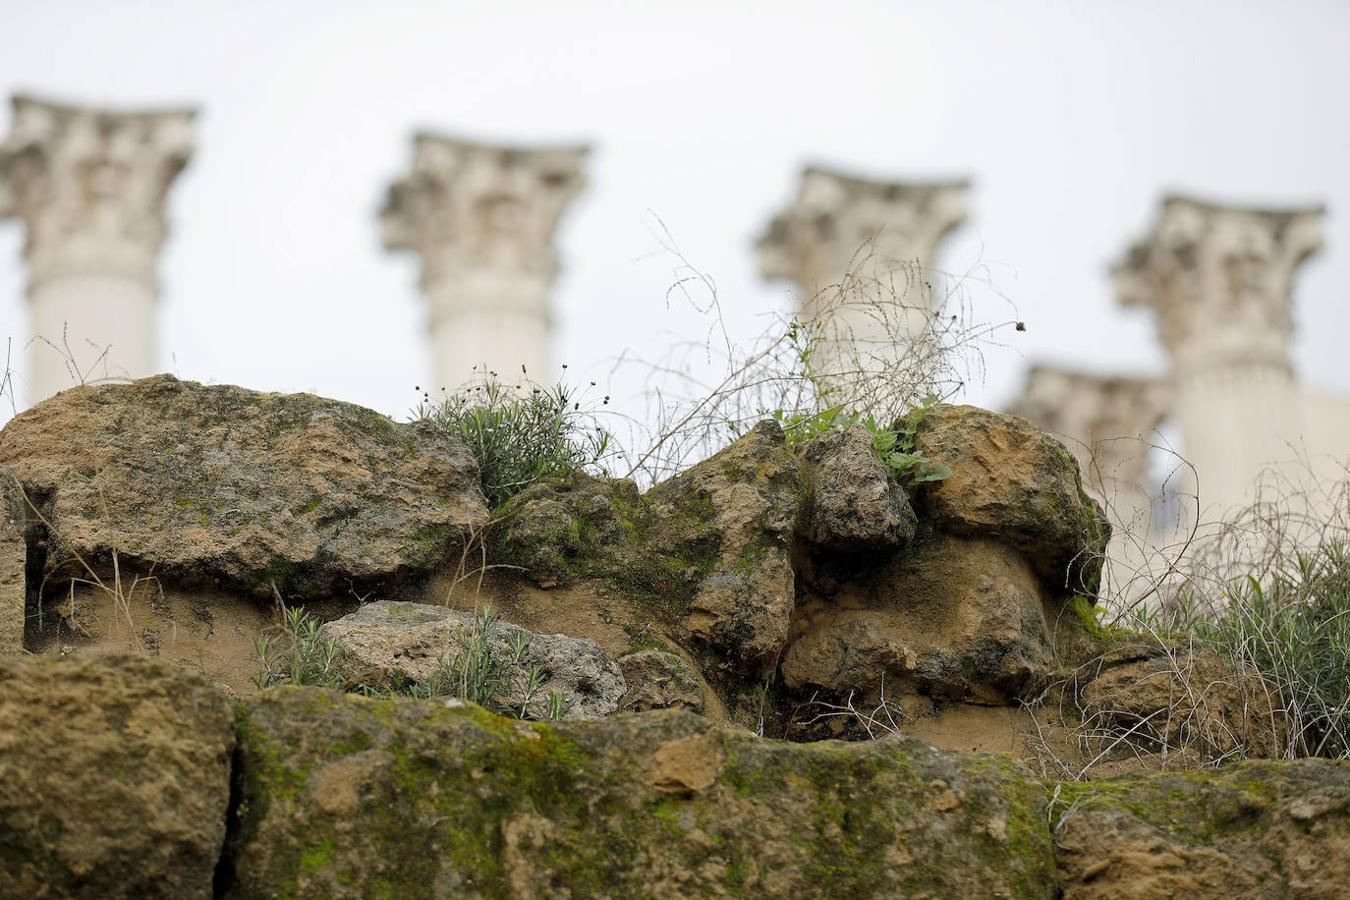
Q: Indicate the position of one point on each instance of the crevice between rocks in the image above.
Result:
(225, 876)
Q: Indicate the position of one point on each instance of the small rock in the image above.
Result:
(955, 618)
(389, 644)
(733, 516)
(657, 679)
(855, 503)
(1184, 697)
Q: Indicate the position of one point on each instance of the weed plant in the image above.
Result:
(520, 434)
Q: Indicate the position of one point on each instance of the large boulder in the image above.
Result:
(390, 645)
(114, 779)
(218, 485)
(733, 517)
(1010, 480)
(854, 503)
(953, 619)
(1254, 829)
(348, 797)
(707, 554)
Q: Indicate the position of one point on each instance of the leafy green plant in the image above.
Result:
(478, 670)
(299, 656)
(520, 434)
(895, 442)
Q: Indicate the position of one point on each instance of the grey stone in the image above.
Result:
(389, 644)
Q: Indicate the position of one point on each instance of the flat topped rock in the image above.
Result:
(390, 644)
(241, 489)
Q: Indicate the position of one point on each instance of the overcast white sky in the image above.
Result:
(1071, 118)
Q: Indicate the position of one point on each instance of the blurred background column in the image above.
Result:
(483, 220)
(1110, 423)
(1219, 280)
(862, 254)
(89, 185)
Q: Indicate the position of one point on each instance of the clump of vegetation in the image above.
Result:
(894, 441)
(298, 656)
(1293, 628)
(479, 669)
(1267, 590)
(520, 434)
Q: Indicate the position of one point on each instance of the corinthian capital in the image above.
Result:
(840, 223)
(470, 209)
(1220, 278)
(1109, 421)
(89, 184)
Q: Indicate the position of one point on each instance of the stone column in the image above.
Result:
(90, 185)
(1219, 281)
(1108, 422)
(483, 220)
(861, 253)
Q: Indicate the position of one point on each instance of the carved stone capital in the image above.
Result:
(1108, 421)
(1219, 279)
(841, 223)
(89, 185)
(470, 208)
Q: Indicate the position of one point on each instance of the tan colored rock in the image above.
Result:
(573, 527)
(244, 490)
(745, 503)
(1016, 483)
(955, 618)
(854, 503)
(658, 679)
(1182, 698)
(389, 645)
(360, 798)
(1251, 830)
(13, 563)
(114, 779)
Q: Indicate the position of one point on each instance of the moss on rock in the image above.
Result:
(456, 802)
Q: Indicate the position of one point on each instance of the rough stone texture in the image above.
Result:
(347, 797)
(243, 489)
(572, 527)
(745, 502)
(658, 679)
(854, 504)
(1255, 829)
(390, 644)
(13, 562)
(114, 779)
(1014, 482)
(1185, 698)
(954, 618)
